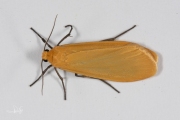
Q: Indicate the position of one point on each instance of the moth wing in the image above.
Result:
(123, 64)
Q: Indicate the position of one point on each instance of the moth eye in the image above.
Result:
(45, 60)
(46, 50)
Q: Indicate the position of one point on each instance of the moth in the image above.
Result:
(119, 61)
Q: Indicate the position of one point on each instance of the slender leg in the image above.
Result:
(40, 75)
(66, 35)
(79, 75)
(112, 39)
(100, 80)
(41, 38)
(62, 83)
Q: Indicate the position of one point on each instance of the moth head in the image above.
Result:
(45, 55)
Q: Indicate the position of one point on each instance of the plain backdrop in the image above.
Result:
(158, 28)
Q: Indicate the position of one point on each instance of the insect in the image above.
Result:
(118, 61)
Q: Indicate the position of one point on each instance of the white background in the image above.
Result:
(158, 28)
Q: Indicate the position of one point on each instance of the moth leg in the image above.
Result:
(68, 35)
(41, 37)
(62, 83)
(79, 75)
(40, 75)
(100, 80)
(112, 39)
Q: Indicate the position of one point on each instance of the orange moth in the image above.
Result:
(118, 61)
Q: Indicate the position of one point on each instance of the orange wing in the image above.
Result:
(112, 60)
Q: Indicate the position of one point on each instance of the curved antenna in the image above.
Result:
(50, 33)
(42, 77)
(44, 50)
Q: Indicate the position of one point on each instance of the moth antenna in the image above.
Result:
(42, 77)
(44, 50)
(51, 32)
